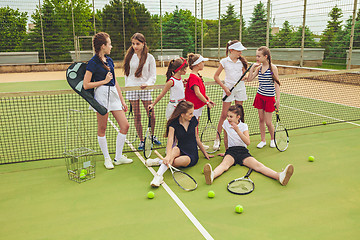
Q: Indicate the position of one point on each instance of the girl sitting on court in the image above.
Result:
(234, 65)
(101, 76)
(236, 139)
(174, 83)
(182, 126)
(140, 70)
(269, 87)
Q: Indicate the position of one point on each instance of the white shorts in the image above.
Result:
(197, 112)
(238, 94)
(144, 95)
(107, 96)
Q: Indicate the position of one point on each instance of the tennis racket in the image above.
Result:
(241, 186)
(148, 139)
(242, 76)
(131, 136)
(182, 179)
(281, 135)
(210, 133)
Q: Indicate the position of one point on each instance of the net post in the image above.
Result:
(348, 66)
(303, 36)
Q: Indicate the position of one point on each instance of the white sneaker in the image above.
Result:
(208, 173)
(286, 175)
(152, 162)
(216, 145)
(108, 163)
(272, 144)
(157, 181)
(261, 144)
(123, 160)
(205, 146)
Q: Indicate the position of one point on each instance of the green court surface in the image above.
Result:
(321, 201)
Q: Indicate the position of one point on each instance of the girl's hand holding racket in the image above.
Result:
(167, 160)
(151, 106)
(124, 107)
(143, 86)
(277, 104)
(227, 92)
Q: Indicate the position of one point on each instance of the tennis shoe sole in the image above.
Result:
(207, 173)
(289, 172)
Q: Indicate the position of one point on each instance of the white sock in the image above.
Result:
(160, 161)
(103, 146)
(120, 141)
(162, 169)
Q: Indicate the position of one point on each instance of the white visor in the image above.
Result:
(237, 46)
(199, 60)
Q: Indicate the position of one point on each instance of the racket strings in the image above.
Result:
(281, 137)
(184, 180)
(241, 186)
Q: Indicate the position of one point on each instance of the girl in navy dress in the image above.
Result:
(182, 125)
(101, 76)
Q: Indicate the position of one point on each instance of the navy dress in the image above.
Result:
(187, 139)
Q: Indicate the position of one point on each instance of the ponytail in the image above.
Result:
(238, 109)
(175, 65)
(241, 58)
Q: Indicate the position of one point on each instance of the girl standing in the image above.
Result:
(182, 126)
(174, 83)
(101, 76)
(269, 87)
(140, 70)
(236, 138)
(234, 65)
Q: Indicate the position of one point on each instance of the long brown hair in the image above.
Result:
(173, 65)
(182, 107)
(241, 58)
(192, 57)
(100, 39)
(238, 109)
(266, 52)
(130, 52)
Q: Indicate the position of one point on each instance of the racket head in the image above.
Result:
(148, 143)
(241, 186)
(281, 137)
(208, 136)
(183, 180)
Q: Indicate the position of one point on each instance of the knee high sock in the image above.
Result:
(120, 141)
(103, 146)
(162, 169)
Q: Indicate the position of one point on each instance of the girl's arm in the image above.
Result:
(277, 87)
(170, 141)
(125, 108)
(243, 135)
(253, 72)
(201, 146)
(218, 81)
(167, 87)
(88, 84)
(225, 140)
(152, 71)
(199, 95)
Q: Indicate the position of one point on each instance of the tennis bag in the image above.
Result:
(75, 77)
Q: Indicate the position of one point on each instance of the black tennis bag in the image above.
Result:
(75, 77)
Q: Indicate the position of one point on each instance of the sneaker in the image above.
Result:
(108, 163)
(208, 173)
(205, 146)
(157, 181)
(216, 144)
(156, 141)
(261, 144)
(272, 144)
(286, 175)
(141, 145)
(152, 162)
(123, 160)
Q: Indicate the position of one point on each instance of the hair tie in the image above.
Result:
(182, 65)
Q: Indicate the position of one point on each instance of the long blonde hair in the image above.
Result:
(130, 52)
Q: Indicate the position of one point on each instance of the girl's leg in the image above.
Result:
(210, 175)
(225, 108)
(146, 104)
(270, 126)
(251, 162)
(137, 118)
(262, 128)
(121, 137)
(102, 123)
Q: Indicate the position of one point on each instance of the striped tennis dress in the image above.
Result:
(266, 83)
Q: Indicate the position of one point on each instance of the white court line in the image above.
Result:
(182, 206)
(320, 115)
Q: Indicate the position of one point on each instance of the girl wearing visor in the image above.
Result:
(234, 65)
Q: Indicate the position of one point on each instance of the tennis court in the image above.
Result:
(38, 201)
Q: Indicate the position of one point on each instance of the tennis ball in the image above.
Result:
(324, 122)
(211, 194)
(150, 195)
(239, 209)
(82, 175)
(84, 171)
(311, 158)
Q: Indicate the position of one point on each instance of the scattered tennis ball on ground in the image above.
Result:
(239, 209)
(211, 194)
(324, 123)
(82, 175)
(311, 158)
(84, 171)
(150, 195)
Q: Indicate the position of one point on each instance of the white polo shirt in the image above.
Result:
(234, 138)
(233, 72)
(148, 76)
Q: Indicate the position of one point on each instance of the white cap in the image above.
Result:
(237, 46)
(199, 60)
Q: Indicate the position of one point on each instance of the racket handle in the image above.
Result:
(159, 155)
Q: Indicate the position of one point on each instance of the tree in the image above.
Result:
(295, 40)
(229, 25)
(58, 27)
(282, 39)
(12, 29)
(257, 26)
(137, 19)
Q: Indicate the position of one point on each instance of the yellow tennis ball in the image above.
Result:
(84, 171)
(211, 194)
(150, 195)
(82, 175)
(311, 158)
(239, 209)
(324, 122)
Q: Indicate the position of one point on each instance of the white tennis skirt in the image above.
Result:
(108, 96)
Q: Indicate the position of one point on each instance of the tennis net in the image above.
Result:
(33, 124)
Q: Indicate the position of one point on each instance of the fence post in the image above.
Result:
(195, 26)
(42, 32)
(161, 37)
(303, 36)
(268, 24)
(93, 3)
(219, 30)
(240, 30)
(123, 21)
(75, 39)
(348, 66)
(202, 27)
